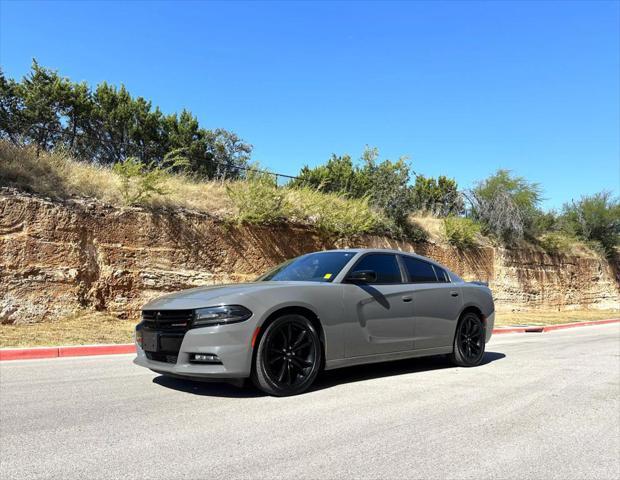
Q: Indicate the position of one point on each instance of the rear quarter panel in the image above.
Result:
(480, 297)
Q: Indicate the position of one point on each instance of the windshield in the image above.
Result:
(314, 267)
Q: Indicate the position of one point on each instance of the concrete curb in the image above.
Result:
(115, 349)
(69, 351)
(549, 328)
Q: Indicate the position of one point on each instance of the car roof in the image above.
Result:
(380, 250)
(453, 275)
(383, 250)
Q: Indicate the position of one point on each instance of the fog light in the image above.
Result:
(204, 358)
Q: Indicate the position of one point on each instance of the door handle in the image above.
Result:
(454, 294)
(407, 299)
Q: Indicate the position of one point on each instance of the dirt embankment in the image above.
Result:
(57, 257)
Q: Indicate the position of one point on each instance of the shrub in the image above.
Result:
(437, 197)
(461, 232)
(505, 205)
(140, 181)
(335, 214)
(557, 242)
(594, 218)
(258, 199)
(385, 184)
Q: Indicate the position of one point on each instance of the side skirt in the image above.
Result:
(385, 357)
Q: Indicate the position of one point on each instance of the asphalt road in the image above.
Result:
(542, 406)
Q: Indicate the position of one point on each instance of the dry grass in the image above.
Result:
(552, 318)
(87, 328)
(84, 328)
(57, 175)
(432, 225)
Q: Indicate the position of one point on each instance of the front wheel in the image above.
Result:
(468, 341)
(288, 357)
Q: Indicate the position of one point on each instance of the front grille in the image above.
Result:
(170, 327)
(177, 321)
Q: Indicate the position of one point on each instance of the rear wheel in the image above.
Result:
(468, 341)
(288, 357)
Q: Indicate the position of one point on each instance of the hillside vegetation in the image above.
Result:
(61, 139)
(255, 199)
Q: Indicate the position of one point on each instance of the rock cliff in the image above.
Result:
(57, 257)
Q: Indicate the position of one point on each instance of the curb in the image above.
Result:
(115, 349)
(500, 330)
(549, 328)
(70, 351)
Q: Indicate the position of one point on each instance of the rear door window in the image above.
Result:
(442, 275)
(384, 265)
(419, 271)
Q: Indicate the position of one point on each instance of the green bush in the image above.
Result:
(140, 181)
(335, 214)
(594, 218)
(384, 183)
(506, 206)
(258, 199)
(438, 197)
(461, 232)
(557, 242)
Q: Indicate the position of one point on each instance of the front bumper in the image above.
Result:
(231, 343)
(490, 323)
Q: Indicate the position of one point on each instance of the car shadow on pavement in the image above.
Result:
(328, 379)
(210, 388)
(360, 373)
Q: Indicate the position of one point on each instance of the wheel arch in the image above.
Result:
(471, 308)
(288, 310)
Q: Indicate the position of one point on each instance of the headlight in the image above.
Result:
(220, 315)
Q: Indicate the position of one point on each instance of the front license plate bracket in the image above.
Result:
(150, 341)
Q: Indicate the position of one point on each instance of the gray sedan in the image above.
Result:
(322, 310)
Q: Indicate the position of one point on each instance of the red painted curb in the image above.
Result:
(500, 330)
(84, 350)
(27, 353)
(70, 351)
(549, 328)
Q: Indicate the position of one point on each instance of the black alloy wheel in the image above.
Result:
(288, 358)
(469, 341)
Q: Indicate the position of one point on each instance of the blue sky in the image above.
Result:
(462, 88)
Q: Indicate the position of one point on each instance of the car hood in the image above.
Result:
(217, 295)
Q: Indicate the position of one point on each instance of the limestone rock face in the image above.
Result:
(57, 257)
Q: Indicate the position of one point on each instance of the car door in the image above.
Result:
(436, 303)
(380, 312)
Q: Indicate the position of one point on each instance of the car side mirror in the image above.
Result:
(362, 276)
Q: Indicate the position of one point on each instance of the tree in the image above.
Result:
(385, 183)
(11, 106)
(338, 175)
(439, 197)
(506, 205)
(107, 125)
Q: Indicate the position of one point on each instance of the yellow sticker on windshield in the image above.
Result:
(327, 276)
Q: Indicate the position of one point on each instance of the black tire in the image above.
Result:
(288, 357)
(469, 341)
